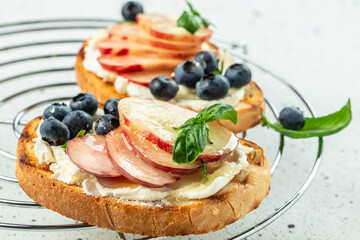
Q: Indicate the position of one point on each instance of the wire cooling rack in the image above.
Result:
(36, 68)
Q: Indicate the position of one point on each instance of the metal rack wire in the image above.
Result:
(82, 27)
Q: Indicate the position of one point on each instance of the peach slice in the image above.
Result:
(133, 167)
(154, 120)
(145, 77)
(165, 27)
(132, 32)
(128, 63)
(88, 153)
(155, 156)
(117, 182)
(120, 47)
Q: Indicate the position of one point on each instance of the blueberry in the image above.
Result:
(188, 73)
(111, 107)
(212, 87)
(130, 10)
(208, 61)
(238, 75)
(56, 110)
(163, 88)
(105, 124)
(292, 118)
(54, 132)
(76, 121)
(86, 102)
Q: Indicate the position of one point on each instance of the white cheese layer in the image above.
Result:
(60, 164)
(91, 63)
(186, 97)
(190, 187)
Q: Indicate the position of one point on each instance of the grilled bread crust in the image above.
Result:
(239, 197)
(248, 109)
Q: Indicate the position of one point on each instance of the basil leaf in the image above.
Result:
(204, 169)
(81, 133)
(316, 127)
(194, 135)
(189, 21)
(220, 71)
(206, 22)
(192, 8)
(190, 143)
(218, 111)
(189, 122)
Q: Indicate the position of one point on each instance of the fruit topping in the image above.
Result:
(111, 107)
(132, 166)
(292, 118)
(212, 87)
(163, 88)
(154, 120)
(132, 32)
(119, 47)
(76, 121)
(105, 124)
(164, 27)
(131, 9)
(238, 75)
(208, 61)
(54, 132)
(151, 154)
(88, 153)
(86, 102)
(145, 77)
(116, 182)
(188, 73)
(56, 110)
(122, 64)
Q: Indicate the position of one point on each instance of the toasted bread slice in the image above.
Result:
(239, 197)
(248, 109)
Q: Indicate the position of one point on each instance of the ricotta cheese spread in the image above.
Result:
(189, 187)
(91, 63)
(186, 97)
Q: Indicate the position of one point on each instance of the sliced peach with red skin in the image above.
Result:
(89, 154)
(117, 182)
(165, 27)
(159, 158)
(129, 63)
(144, 77)
(119, 47)
(133, 167)
(132, 32)
(154, 120)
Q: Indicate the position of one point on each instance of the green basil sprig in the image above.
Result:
(194, 135)
(220, 71)
(192, 20)
(204, 169)
(316, 127)
(81, 133)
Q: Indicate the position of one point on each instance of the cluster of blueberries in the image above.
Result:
(62, 123)
(202, 75)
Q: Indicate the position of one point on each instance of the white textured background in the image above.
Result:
(316, 44)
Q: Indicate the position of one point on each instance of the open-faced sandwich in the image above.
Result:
(146, 167)
(160, 56)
